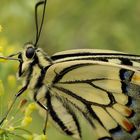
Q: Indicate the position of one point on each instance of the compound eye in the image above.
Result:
(30, 52)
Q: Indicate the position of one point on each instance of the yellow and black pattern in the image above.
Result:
(102, 86)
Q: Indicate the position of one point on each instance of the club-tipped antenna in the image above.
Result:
(39, 29)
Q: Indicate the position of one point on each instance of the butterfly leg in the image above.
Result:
(44, 107)
(15, 98)
(45, 126)
(38, 102)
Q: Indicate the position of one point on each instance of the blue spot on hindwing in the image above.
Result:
(126, 75)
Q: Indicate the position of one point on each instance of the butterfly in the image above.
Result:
(100, 86)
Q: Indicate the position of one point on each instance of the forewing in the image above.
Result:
(106, 94)
(98, 55)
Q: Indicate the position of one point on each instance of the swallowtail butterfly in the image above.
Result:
(102, 87)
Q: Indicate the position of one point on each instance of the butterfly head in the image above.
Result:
(31, 57)
(26, 58)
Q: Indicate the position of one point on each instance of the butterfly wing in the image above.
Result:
(106, 94)
(98, 55)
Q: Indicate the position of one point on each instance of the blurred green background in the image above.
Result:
(99, 24)
(74, 24)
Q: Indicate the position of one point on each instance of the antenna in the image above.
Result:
(39, 29)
